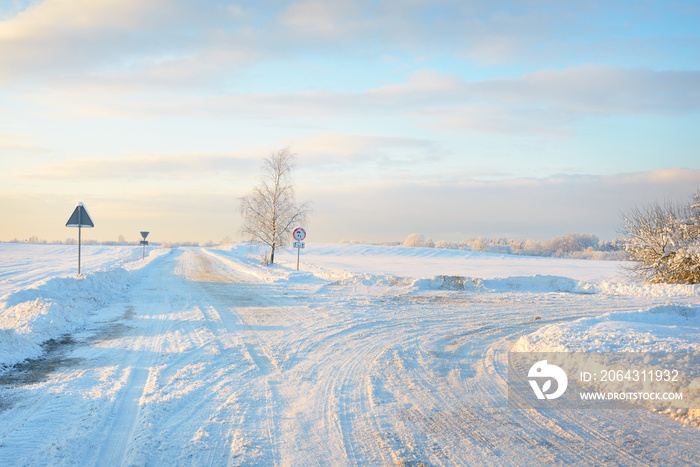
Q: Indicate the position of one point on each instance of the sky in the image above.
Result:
(454, 119)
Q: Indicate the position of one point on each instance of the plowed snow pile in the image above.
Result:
(55, 306)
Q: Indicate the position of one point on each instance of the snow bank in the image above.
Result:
(667, 328)
(23, 265)
(370, 280)
(328, 258)
(57, 306)
(553, 284)
(449, 283)
(525, 284)
(247, 259)
(642, 290)
(538, 284)
(531, 284)
(430, 269)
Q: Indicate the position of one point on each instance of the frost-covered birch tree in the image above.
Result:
(663, 241)
(270, 211)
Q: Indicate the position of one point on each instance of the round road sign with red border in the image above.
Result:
(299, 234)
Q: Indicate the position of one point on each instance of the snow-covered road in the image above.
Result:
(203, 361)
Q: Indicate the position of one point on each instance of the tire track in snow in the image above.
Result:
(557, 436)
(430, 413)
(126, 425)
(226, 292)
(342, 398)
(123, 427)
(176, 346)
(568, 431)
(22, 430)
(348, 395)
(438, 417)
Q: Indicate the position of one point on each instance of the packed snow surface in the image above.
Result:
(368, 355)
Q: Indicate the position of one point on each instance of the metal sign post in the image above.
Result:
(299, 235)
(144, 234)
(80, 218)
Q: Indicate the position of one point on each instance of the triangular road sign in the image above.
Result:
(144, 234)
(80, 217)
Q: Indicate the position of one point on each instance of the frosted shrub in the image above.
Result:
(480, 244)
(664, 242)
(414, 240)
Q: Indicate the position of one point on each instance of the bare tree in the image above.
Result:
(270, 211)
(663, 241)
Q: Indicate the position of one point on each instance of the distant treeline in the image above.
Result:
(120, 241)
(579, 246)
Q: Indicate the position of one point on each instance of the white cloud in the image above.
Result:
(320, 18)
(140, 55)
(522, 208)
(145, 166)
(451, 209)
(578, 90)
(13, 142)
(543, 104)
(69, 38)
(66, 39)
(199, 78)
(323, 149)
(600, 90)
(547, 102)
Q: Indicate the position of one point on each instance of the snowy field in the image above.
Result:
(368, 356)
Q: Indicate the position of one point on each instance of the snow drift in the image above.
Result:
(54, 307)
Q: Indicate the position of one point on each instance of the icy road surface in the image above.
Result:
(209, 360)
